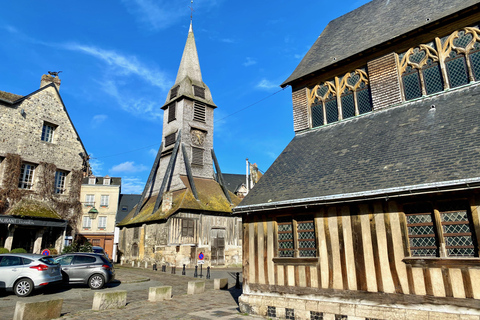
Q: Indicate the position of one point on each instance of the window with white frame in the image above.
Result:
(60, 182)
(90, 200)
(104, 200)
(47, 132)
(106, 181)
(102, 222)
(26, 176)
(87, 222)
(91, 180)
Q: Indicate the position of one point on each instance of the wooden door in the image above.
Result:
(218, 246)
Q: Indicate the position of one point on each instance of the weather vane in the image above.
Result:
(191, 10)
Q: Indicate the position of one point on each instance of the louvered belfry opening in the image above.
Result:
(197, 156)
(199, 110)
(171, 112)
(199, 92)
(170, 139)
(174, 92)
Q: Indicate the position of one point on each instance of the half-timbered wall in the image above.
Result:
(362, 253)
(176, 241)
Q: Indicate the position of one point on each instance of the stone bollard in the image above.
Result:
(195, 287)
(146, 265)
(220, 284)
(138, 264)
(133, 263)
(50, 309)
(109, 300)
(159, 293)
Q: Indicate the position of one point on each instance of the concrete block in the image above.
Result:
(50, 309)
(195, 287)
(109, 300)
(220, 284)
(159, 293)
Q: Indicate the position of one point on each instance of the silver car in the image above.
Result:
(23, 272)
(88, 268)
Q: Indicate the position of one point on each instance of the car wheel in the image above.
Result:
(23, 287)
(96, 282)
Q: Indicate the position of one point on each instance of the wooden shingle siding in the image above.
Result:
(360, 248)
(384, 81)
(300, 110)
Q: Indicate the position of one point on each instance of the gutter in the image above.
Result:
(386, 194)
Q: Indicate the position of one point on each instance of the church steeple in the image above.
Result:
(189, 81)
(189, 66)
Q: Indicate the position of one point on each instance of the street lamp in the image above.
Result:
(93, 213)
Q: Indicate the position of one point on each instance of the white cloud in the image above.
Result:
(156, 14)
(266, 84)
(128, 166)
(249, 62)
(124, 65)
(98, 120)
(153, 152)
(96, 165)
(132, 185)
(161, 14)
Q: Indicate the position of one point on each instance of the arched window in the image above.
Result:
(340, 98)
(448, 62)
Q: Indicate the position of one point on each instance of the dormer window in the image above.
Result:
(340, 98)
(199, 110)
(106, 181)
(91, 180)
(444, 63)
(199, 92)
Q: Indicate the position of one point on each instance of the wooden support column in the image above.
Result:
(168, 172)
(220, 177)
(189, 172)
(149, 183)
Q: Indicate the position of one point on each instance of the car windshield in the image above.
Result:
(98, 250)
(48, 260)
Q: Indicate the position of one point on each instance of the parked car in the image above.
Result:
(100, 250)
(23, 272)
(87, 268)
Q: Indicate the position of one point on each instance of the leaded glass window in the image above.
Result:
(420, 68)
(441, 229)
(340, 98)
(296, 237)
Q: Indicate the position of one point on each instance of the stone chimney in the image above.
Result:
(47, 79)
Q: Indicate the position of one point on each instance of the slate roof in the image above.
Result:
(233, 181)
(114, 181)
(370, 25)
(409, 147)
(126, 200)
(9, 97)
(212, 200)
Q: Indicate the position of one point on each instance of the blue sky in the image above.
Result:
(120, 58)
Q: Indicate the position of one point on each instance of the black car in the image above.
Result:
(87, 268)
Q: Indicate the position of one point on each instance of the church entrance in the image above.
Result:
(218, 246)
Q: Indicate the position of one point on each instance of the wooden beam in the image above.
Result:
(189, 172)
(168, 172)
(156, 163)
(220, 177)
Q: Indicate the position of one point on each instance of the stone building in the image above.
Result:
(100, 199)
(380, 218)
(42, 162)
(185, 208)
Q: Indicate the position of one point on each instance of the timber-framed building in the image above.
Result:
(185, 208)
(381, 218)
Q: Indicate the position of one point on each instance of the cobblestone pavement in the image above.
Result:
(213, 304)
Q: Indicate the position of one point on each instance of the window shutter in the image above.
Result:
(199, 92)
(199, 111)
(197, 156)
